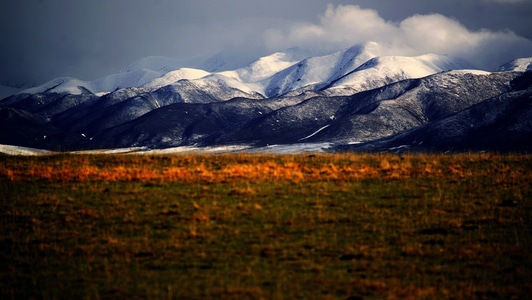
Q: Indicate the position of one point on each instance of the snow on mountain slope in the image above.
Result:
(290, 72)
(518, 65)
(160, 63)
(175, 76)
(225, 88)
(372, 114)
(133, 78)
(245, 79)
(141, 73)
(74, 86)
(67, 85)
(343, 73)
(134, 75)
(410, 103)
(186, 113)
(383, 70)
(22, 151)
(268, 66)
(501, 123)
(257, 77)
(225, 60)
(320, 70)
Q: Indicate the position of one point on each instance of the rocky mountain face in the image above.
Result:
(354, 99)
(501, 123)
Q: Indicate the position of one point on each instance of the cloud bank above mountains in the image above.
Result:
(44, 39)
(345, 25)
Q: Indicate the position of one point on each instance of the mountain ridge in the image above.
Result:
(355, 99)
(270, 76)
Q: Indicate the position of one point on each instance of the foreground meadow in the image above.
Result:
(243, 226)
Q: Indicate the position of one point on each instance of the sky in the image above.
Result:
(46, 39)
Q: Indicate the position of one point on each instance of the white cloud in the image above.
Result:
(340, 26)
(345, 25)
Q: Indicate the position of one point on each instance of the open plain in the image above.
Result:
(264, 226)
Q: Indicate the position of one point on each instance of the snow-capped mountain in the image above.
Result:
(517, 65)
(356, 97)
(289, 72)
(383, 70)
(501, 123)
(314, 72)
(142, 72)
(373, 114)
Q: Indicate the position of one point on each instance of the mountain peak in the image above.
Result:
(517, 65)
(290, 71)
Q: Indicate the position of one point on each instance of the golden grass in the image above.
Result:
(296, 168)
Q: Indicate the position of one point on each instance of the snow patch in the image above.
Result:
(517, 65)
(23, 151)
(288, 72)
(293, 148)
(175, 76)
(273, 149)
(383, 70)
(68, 85)
(111, 151)
(314, 133)
(469, 71)
(195, 149)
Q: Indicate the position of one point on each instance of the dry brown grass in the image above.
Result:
(296, 168)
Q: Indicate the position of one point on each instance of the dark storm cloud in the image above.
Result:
(44, 39)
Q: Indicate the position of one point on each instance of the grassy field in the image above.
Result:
(243, 226)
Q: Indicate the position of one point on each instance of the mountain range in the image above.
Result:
(358, 99)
